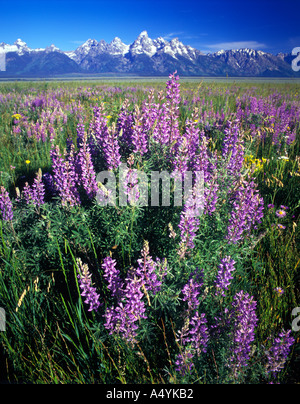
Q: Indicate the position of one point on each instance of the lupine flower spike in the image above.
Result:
(85, 284)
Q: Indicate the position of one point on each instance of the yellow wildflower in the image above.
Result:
(17, 117)
(27, 161)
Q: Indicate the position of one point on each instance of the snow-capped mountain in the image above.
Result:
(145, 56)
(20, 60)
(143, 45)
(18, 46)
(253, 62)
(21, 47)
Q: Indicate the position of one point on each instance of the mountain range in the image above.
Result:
(144, 57)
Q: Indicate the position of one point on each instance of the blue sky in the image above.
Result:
(269, 25)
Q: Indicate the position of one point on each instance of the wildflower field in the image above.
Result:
(127, 285)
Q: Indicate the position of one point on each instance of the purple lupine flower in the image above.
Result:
(147, 271)
(244, 323)
(85, 168)
(198, 333)
(112, 276)
(5, 205)
(185, 152)
(150, 111)
(98, 128)
(189, 218)
(106, 138)
(125, 124)
(111, 148)
(167, 129)
(131, 186)
(191, 291)
(193, 336)
(131, 309)
(207, 165)
(35, 195)
(38, 190)
(233, 151)
(85, 284)
(224, 277)
(130, 183)
(173, 92)
(211, 194)
(26, 193)
(71, 178)
(65, 177)
(184, 362)
(247, 211)
(181, 157)
(201, 162)
(139, 137)
(80, 133)
(277, 355)
(173, 101)
(161, 130)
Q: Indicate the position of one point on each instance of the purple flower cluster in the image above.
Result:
(233, 151)
(189, 218)
(111, 148)
(5, 205)
(245, 321)
(193, 337)
(166, 132)
(279, 117)
(150, 111)
(112, 277)
(130, 183)
(187, 147)
(148, 271)
(125, 124)
(124, 317)
(224, 277)
(277, 355)
(85, 169)
(35, 195)
(190, 292)
(211, 194)
(65, 177)
(198, 333)
(85, 284)
(106, 138)
(139, 134)
(129, 310)
(194, 341)
(247, 211)
(184, 364)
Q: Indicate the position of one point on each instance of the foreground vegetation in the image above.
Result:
(149, 294)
